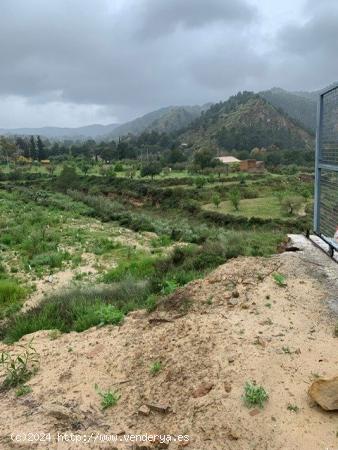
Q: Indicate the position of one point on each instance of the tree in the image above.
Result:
(41, 152)
(32, 148)
(151, 169)
(216, 200)
(67, 179)
(203, 159)
(291, 204)
(175, 155)
(235, 198)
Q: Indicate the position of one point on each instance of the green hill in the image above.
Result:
(244, 122)
(167, 120)
(301, 106)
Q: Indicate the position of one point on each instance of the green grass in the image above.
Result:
(79, 309)
(109, 398)
(254, 395)
(264, 207)
(279, 279)
(139, 266)
(18, 368)
(11, 297)
(156, 367)
(23, 390)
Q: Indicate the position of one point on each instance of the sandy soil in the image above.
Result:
(212, 336)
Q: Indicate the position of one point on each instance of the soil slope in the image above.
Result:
(213, 336)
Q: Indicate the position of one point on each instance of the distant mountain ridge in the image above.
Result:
(89, 131)
(168, 120)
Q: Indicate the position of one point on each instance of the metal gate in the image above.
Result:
(326, 170)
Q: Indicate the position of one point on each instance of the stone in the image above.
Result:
(144, 410)
(202, 390)
(227, 386)
(159, 407)
(231, 359)
(325, 393)
(232, 302)
(336, 330)
(59, 412)
(254, 412)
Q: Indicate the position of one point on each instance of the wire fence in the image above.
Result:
(326, 184)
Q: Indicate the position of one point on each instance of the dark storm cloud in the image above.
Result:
(79, 59)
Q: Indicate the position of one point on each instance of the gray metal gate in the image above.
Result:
(326, 170)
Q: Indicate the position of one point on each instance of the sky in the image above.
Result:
(77, 62)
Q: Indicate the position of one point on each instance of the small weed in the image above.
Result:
(268, 305)
(151, 303)
(279, 279)
(109, 398)
(286, 350)
(54, 334)
(254, 395)
(23, 390)
(19, 368)
(293, 408)
(336, 330)
(156, 367)
(315, 375)
(209, 301)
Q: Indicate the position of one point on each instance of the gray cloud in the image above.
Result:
(310, 48)
(163, 17)
(73, 62)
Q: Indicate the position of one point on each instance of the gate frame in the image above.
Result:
(319, 166)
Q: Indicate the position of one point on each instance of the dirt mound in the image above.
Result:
(211, 337)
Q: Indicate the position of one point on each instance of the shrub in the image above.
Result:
(140, 267)
(52, 260)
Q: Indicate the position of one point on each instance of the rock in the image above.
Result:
(232, 302)
(144, 410)
(227, 386)
(254, 412)
(231, 359)
(260, 341)
(202, 390)
(59, 412)
(325, 393)
(158, 407)
(233, 435)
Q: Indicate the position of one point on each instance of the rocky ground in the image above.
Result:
(211, 337)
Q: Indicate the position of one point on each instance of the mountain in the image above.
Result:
(168, 120)
(89, 131)
(243, 122)
(301, 106)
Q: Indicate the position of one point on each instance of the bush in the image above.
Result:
(140, 267)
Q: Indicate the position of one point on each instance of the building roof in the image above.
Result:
(228, 159)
